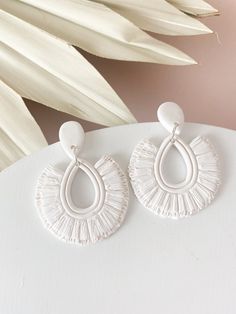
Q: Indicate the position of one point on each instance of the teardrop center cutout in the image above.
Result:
(189, 159)
(82, 190)
(173, 167)
(66, 196)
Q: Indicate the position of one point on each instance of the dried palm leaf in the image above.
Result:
(198, 8)
(157, 16)
(85, 24)
(36, 64)
(19, 133)
(51, 72)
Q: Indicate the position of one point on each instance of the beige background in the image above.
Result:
(205, 91)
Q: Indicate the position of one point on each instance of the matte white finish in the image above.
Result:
(83, 225)
(71, 134)
(150, 266)
(175, 200)
(60, 214)
(202, 179)
(169, 113)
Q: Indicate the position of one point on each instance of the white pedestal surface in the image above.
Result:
(150, 265)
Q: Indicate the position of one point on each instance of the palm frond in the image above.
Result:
(85, 24)
(38, 60)
(157, 16)
(53, 73)
(197, 8)
(19, 133)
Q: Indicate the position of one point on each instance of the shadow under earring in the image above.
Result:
(202, 170)
(57, 210)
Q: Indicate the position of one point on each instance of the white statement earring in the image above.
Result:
(147, 177)
(57, 210)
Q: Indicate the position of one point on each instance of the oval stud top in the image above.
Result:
(71, 135)
(169, 113)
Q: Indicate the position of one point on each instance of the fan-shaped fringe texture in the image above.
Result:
(175, 205)
(83, 231)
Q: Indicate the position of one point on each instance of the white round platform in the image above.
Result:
(150, 265)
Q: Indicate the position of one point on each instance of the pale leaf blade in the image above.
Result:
(20, 135)
(51, 72)
(157, 16)
(96, 29)
(198, 8)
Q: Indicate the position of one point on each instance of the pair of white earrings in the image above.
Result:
(98, 221)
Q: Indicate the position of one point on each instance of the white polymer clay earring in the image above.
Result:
(57, 210)
(147, 177)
